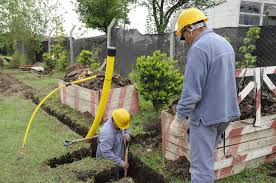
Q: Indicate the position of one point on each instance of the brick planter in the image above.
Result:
(86, 100)
(246, 146)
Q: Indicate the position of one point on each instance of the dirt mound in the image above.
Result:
(247, 106)
(97, 83)
(12, 87)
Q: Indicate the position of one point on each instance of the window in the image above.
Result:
(250, 13)
(250, 7)
(247, 19)
(266, 19)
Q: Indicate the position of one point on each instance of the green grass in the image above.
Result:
(45, 142)
(257, 175)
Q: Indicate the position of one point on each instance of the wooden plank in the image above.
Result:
(269, 83)
(249, 87)
(242, 127)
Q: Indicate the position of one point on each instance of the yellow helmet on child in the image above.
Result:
(188, 17)
(121, 118)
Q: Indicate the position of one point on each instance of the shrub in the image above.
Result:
(87, 58)
(248, 47)
(50, 62)
(157, 79)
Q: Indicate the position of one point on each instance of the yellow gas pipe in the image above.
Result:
(45, 98)
(111, 53)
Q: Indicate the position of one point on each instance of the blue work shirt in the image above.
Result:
(111, 143)
(209, 88)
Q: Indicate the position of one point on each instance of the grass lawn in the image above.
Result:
(45, 142)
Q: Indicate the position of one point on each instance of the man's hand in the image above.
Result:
(127, 138)
(125, 165)
(177, 127)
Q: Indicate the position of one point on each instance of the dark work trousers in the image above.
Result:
(203, 142)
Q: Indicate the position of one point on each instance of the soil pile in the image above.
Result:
(247, 106)
(97, 83)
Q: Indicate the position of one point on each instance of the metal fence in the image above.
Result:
(131, 44)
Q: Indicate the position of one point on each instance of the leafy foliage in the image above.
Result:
(87, 58)
(98, 14)
(160, 11)
(157, 79)
(25, 22)
(248, 47)
(57, 58)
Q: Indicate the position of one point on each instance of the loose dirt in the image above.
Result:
(247, 106)
(97, 83)
(12, 87)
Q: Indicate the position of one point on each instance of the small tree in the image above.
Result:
(248, 47)
(87, 58)
(157, 79)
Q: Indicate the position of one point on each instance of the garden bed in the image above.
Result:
(86, 97)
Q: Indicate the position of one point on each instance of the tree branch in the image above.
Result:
(157, 23)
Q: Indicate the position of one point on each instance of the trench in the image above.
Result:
(138, 171)
(74, 156)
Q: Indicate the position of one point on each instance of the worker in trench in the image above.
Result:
(209, 98)
(113, 137)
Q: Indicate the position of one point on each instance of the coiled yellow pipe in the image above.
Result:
(111, 53)
(45, 98)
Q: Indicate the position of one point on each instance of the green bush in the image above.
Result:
(157, 79)
(87, 58)
(248, 47)
(50, 62)
(62, 60)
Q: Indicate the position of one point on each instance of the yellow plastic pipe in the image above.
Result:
(45, 98)
(111, 53)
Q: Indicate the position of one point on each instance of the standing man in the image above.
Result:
(113, 136)
(209, 96)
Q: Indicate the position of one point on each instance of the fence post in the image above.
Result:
(258, 97)
(49, 40)
(109, 28)
(108, 37)
(172, 37)
(71, 45)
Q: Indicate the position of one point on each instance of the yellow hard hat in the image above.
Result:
(121, 118)
(188, 17)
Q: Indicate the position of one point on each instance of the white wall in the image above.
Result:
(225, 15)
